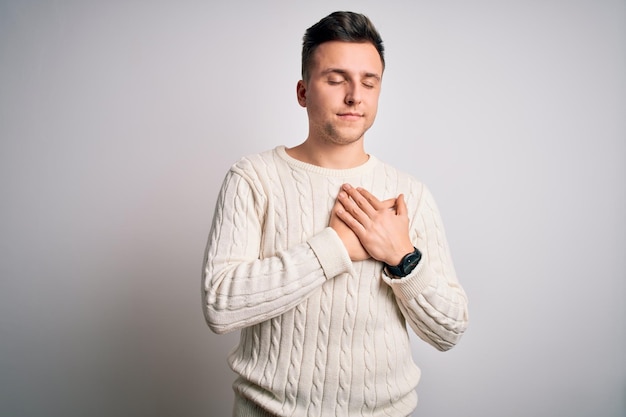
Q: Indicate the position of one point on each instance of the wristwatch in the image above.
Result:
(406, 265)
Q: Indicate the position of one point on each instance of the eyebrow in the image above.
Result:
(344, 72)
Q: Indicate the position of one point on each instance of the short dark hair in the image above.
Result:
(339, 26)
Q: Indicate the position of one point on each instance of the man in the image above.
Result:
(320, 254)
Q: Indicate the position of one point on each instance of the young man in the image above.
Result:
(320, 254)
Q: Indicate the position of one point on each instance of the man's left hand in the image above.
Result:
(384, 233)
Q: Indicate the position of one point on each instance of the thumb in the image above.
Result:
(389, 204)
(401, 209)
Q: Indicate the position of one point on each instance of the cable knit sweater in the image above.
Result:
(322, 335)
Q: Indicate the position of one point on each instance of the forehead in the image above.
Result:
(350, 57)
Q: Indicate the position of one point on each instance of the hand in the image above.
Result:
(356, 251)
(383, 233)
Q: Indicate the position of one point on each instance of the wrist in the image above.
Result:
(399, 255)
(406, 265)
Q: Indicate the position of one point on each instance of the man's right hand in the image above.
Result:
(352, 243)
(356, 251)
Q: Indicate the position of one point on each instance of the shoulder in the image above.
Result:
(417, 194)
(257, 165)
(252, 161)
(405, 181)
(258, 173)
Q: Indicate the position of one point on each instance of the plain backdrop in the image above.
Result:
(119, 119)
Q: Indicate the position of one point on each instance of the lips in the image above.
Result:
(350, 116)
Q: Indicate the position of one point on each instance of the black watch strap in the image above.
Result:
(406, 265)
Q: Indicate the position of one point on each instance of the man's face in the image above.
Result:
(341, 95)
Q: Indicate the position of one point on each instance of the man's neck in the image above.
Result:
(329, 155)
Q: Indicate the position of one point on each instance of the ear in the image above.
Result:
(301, 93)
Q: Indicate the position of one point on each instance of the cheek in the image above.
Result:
(315, 111)
(373, 101)
(322, 102)
(374, 95)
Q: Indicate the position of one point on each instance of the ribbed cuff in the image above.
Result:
(409, 287)
(331, 253)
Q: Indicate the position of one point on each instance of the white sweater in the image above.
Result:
(322, 335)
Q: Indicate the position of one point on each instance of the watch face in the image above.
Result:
(410, 261)
(407, 265)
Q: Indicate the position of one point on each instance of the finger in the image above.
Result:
(374, 202)
(337, 205)
(401, 209)
(352, 208)
(348, 218)
(359, 201)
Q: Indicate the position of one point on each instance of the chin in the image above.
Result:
(344, 138)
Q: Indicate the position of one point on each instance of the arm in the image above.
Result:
(240, 287)
(430, 297)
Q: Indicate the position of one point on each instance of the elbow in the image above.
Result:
(216, 326)
(218, 329)
(453, 337)
(210, 319)
(444, 345)
(217, 320)
(216, 314)
(444, 334)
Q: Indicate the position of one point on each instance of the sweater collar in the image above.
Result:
(329, 172)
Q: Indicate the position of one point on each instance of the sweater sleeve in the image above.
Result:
(431, 298)
(240, 287)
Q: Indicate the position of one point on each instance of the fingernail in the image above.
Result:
(347, 186)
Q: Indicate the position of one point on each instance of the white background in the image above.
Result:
(119, 119)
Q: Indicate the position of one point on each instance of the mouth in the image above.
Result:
(349, 116)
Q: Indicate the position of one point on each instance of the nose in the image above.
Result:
(353, 95)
